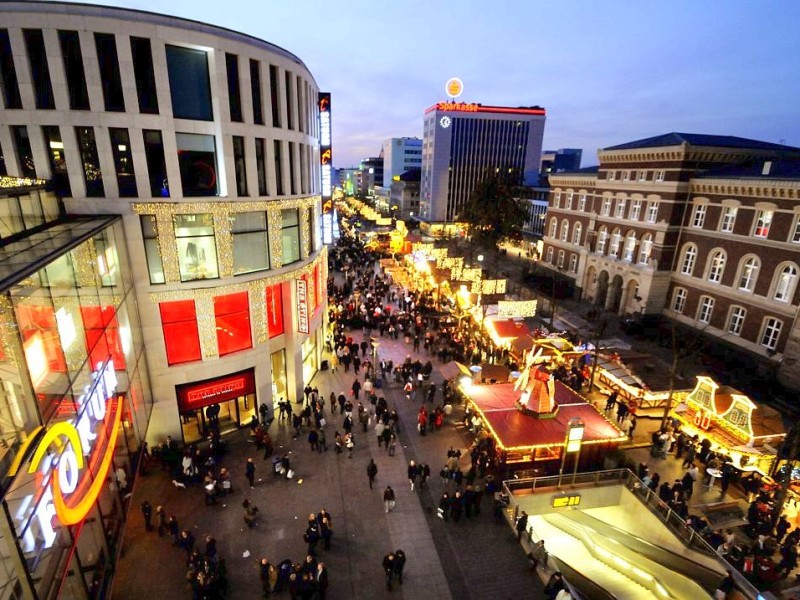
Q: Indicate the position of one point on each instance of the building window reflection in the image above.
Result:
(198, 164)
(290, 235)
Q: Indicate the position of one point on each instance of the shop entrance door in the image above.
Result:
(233, 414)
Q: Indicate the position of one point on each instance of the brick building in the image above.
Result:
(703, 229)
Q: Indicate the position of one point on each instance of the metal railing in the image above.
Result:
(688, 536)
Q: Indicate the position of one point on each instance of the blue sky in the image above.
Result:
(607, 72)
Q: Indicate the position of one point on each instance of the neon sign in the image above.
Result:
(69, 494)
(457, 106)
(325, 151)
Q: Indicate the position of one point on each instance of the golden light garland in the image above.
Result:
(84, 259)
(8, 331)
(258, 313)
(7, 182)
(471, 274)
(221, 211)
(437, 253)
(223, 236)
(305, 231)
(421, 247)
(508, 309)
(451, 262)
(274, 222)
(206, 326)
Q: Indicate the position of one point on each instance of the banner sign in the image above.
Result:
(199, 394)
(507, 309)
(302, 305)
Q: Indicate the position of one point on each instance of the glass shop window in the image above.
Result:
(22, 145)
(58, 162)
(197, 250)
(151, 249)
(290, 235)
(123, 162)
(250, 242)
(91, 162)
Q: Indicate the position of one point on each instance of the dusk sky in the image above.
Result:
(607, 72)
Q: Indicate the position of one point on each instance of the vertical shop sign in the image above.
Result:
(302, 306)
(326, 166)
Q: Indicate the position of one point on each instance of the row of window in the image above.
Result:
(634, 212)
(640, 176)
(197, 161)
(187, 69)
(560, 262)
(761, 224)
(616, 245)
(770, 329)
(196, 242)
(783, 284)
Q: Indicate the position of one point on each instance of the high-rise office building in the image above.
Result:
(400, 155)
(563, 159)
(463, 142)
(185, 226)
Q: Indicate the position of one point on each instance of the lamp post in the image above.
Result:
(572, 443)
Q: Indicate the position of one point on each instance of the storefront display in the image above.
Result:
(73, 414)
(232, 396)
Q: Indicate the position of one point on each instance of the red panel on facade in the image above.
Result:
(192, 396)
(102, 335)
(42, 319)
(179, 323)
(274, 310)
(232, 315)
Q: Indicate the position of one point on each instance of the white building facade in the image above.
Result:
(400, 155)
(206, 142)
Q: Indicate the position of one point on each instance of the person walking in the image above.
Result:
(388, 569)
(161, 521)
(372, 471)
(399, 564)
(413, 472)
(250, 472)
(388, 498)
(147, 513)
(264, 569)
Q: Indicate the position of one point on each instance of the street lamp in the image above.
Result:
(572, 443)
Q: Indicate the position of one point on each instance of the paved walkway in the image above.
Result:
(475, 558)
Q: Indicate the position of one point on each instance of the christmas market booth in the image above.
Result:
(529, 422)
(732, 424)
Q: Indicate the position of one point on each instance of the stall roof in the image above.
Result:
(509, 328)
(454, 369)
(514, 429)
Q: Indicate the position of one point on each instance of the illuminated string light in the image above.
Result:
(508, 309)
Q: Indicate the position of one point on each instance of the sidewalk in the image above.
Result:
(472, 559)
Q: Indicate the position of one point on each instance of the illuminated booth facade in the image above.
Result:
(735, 426)
(74, 396)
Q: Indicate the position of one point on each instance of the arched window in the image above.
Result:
(630, 246)
(616, 241)
(689, 259)
(553, 227)
(560, 263)
(549, 255)
(645, 248)
(602, 238)
(576, 234)
(564, 230)
(716, 266)
(786, 283)
(748, 273)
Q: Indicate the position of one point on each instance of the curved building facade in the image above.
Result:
(205, 142)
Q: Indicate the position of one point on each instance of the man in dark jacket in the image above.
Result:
(388, 569)
(372, 471)
(263, 574)
(522, 524)
(399, 563)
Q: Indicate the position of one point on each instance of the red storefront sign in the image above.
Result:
(192, 396)
(302, 305)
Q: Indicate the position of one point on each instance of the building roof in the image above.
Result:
(509, 328)
(757, 169)
(21, 258)
(584, 171)
(414, 175)
(512, 428)
(701, 139)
